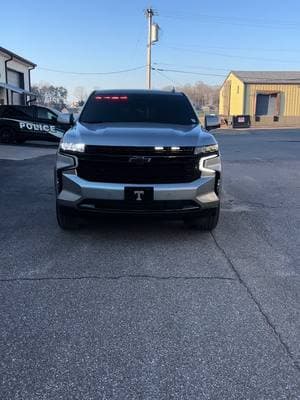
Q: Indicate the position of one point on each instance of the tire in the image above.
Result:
(65, 220)
(7, 135)
(203, 223)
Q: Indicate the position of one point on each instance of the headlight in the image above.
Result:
(210, 149)
(72, 147)
(210, 163)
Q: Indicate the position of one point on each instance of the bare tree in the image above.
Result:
(201, 95)
(51, 96)
(80, 94)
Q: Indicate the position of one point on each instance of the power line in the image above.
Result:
(187, 72)
(231, 20)
(263, 78)
(92, 73)
(232, 17)
(277, 50)
(230, 55)
(192, 66)
(167, 77)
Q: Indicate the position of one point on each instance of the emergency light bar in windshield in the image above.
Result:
(114, 98)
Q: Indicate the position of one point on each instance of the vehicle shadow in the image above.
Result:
(39, 144)
(32, 145)
(132, 223)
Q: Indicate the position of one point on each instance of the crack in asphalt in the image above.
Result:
(258, 305)
(117, 277)
(232, 203)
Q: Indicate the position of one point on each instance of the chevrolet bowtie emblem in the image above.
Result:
(140, 160)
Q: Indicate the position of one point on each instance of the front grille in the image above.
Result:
(125, 165)
(131, 150)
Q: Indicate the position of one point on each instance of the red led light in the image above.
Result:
(114, 98)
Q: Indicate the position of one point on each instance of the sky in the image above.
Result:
(202, 39)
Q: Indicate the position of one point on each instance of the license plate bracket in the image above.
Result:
(138, 195)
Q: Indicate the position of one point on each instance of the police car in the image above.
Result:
(21, 123)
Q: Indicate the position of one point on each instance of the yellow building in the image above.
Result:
(269, 97)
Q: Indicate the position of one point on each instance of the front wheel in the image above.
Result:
(203, 223)
(65, 220)
(7, 135)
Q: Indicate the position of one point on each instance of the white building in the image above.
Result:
(15, 84)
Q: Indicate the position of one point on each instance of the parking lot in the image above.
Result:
(129, 309)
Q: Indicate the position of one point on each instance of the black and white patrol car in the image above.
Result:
(32, 122)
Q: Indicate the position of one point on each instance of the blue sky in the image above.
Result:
(207, 38)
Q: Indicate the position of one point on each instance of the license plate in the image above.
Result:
(241, 119)
(138, 194)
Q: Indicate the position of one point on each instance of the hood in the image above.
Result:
(138, 135)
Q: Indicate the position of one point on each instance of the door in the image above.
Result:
(47, 121)
(2, 96)
(16, 78)
(45, 115)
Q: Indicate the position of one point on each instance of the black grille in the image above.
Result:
(129, 165)
(145, 151)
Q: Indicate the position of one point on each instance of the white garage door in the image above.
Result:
(17, 79)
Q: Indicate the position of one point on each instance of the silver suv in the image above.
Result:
(138, 152)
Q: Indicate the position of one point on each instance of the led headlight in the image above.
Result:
(72, 147)
(210, 164)
(209, 161)
(207, 150)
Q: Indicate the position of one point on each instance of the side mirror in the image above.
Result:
(64, 118)
(211, 122)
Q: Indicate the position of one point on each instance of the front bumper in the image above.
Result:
(76, 194)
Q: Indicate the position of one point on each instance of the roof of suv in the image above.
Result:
(137, 91)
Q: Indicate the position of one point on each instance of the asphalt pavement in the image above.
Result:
(129, 309)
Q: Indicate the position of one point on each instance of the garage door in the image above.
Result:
(17, 79)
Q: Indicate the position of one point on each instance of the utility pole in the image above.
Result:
(149, 15)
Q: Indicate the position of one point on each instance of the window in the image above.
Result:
(18, 112)
(267, 104)
(45, 114)
(139, 107)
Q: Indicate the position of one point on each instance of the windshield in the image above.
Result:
(153, 108)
